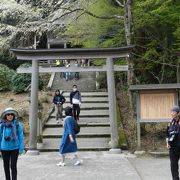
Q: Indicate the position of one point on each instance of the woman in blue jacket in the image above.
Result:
(11, 141)
(68, 142)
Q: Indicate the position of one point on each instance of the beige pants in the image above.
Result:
(58, 111)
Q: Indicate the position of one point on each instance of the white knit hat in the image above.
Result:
(9, 110)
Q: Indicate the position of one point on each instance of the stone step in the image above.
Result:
(82, 124)
(94, 119)
(88, 94)
(49, 136)
(84, 120)
(85, 106)
(91, 113)
(56, 131)
(85, 144)
(91, 100)
(86, 82)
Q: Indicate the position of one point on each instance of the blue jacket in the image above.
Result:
(66, 146)
(59, 99)
(12, 144)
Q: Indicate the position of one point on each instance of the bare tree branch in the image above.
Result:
(59, 4)
(84, 11)
(119, 3)
(105, 17)
(163, 71)
(156, 77)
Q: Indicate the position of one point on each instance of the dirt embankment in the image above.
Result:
(20, 102)
(152, 134)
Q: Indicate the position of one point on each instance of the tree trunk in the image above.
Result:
(128, 35)
(127, 20)
(178, 70)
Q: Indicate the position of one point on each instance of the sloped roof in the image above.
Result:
(154, 87)
(71, 53)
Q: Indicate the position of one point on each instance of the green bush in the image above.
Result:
(102, 80)
(5, 78)
(21, 81)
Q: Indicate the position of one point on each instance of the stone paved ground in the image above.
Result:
(150, 168)
(97, 166)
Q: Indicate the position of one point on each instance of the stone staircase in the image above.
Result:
(86, 82)
(94, 122)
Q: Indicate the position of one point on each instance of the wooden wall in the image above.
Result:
(156, 104)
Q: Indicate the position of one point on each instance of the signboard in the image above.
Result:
(155, 105)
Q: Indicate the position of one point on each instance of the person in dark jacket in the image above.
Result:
(173, 141)
(75, 100)
(58, 100)
(11, 141)
(68, 142)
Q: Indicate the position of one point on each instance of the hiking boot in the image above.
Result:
(61, 164)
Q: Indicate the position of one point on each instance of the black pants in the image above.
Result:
(76, 111)
(174, 154)
(76, 75)
(10, 160)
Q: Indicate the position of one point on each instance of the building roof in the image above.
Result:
(57, 41)
(154, 87)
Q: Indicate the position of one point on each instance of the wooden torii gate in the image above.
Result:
(36, 55)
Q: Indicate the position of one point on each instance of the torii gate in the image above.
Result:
(35, 55)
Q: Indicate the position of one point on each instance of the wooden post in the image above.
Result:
(178, 70)
(138, 121)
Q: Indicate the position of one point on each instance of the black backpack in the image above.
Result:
(76, 127)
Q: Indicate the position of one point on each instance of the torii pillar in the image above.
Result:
(32, 150)
(112, 106)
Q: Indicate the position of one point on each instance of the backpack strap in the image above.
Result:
(1, 130)
(17, 125)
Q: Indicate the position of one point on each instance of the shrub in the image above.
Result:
(102, 80)
(44, 100)
(5, 77)
(22, 81)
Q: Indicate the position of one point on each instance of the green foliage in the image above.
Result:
(156, 35)
(176, 35)
(21, 81)
(99, 62)
(102, 80)
(91, 31)
(5, 78)
(7, 59)
(156, 30)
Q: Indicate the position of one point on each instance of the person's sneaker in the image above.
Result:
(57, 121)
(77, 163)
(61, 164)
